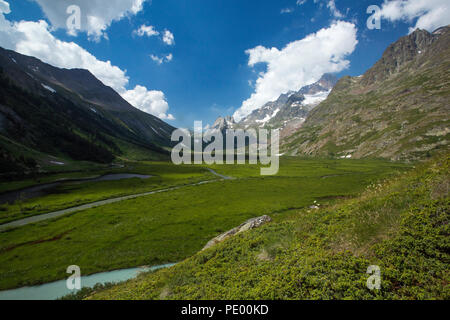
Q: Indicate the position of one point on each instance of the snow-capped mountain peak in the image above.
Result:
(224, 123)
(291, 106)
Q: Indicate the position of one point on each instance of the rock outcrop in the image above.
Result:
(250, 224)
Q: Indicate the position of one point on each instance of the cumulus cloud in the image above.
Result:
(96, 15)
(300, 63)
(8, 35)
(430, 14)
(145, 30)
(34, 39)
(38, 42)
(4, 7)
(150, 101)
(168, 38)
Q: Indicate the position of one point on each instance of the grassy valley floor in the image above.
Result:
(163, 175)
(400, 225)
(172, 226)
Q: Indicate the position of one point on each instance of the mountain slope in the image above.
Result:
(70, 113)
(399, 109)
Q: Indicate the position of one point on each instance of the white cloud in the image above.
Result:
(168, 38)
(34, 39)
(157, 59)
(300, 63)
(161, 60)
(332, 6)
(286, 10)
(8, 35)
(4, 7)
(145, 30)
(96, 15)
(302, 2)
(38, 42)
(150, 101)
(430, 14)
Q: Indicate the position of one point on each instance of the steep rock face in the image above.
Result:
(222, 124)
(325, 84)
(399, 109)
(398, 54)
(292, 107)
(262, 116)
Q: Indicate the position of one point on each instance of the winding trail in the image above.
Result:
(55, 214)
(219, 175)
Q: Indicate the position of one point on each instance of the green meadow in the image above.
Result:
(399, 224)
(70, 194)
(168, 226)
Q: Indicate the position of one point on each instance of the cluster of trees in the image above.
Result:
(13, 167)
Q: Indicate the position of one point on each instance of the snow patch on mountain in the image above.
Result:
(48, 88)
(268, 117)
(291, 106)
(315, 99)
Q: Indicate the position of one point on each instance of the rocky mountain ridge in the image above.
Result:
(292, 106)
(287, 112)
(399, 109)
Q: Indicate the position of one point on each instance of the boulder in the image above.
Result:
(250, 224)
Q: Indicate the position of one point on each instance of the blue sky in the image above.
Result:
(209, 75)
